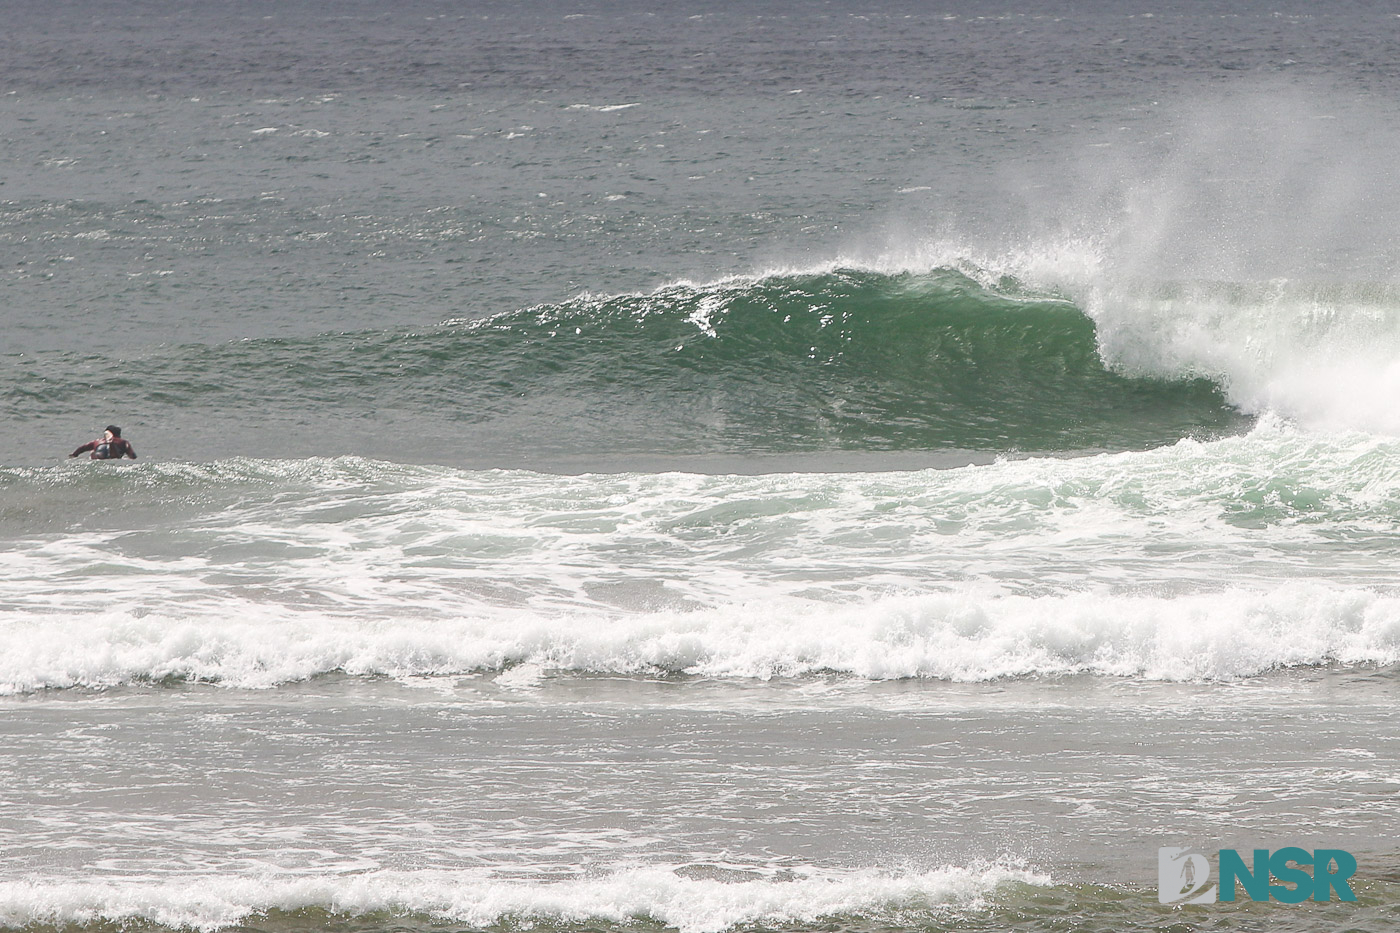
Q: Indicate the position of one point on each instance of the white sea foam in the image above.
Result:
(603, 108)
(1200, 561)
(1326, 357)
(1215, 636)
(689, 904)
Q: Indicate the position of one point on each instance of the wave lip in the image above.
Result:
(679, 901)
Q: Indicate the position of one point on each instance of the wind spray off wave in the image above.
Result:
(1249, 240)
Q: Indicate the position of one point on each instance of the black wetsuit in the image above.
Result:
(103, 449)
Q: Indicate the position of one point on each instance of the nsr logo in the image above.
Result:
(1182, 874)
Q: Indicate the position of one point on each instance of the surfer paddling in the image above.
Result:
(110, 446)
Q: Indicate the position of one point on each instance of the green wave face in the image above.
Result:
(843, 360)
(846, 360)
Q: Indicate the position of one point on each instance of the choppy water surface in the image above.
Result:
(758, 467)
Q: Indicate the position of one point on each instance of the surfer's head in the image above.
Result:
(113, 430)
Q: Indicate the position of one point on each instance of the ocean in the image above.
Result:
(719, 467)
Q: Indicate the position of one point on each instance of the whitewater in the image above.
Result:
(1217, 559)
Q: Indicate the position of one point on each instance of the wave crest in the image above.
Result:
(836, 360)
(957, 636)
(681, 899)
(848, 358)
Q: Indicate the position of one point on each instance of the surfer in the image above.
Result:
(110, 446)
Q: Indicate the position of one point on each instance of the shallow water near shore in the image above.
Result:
(522, 797)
